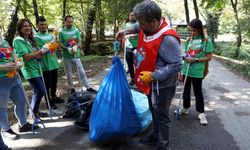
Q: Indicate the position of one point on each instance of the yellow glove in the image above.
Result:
(146, 76)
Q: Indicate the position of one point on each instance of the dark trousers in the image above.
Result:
(130, 62)
(197, 86)
(38, 92)
(159, 107)
(50, 79)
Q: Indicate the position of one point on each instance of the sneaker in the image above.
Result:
(10, 134)
(182, 111)
(27, 127)
(91, 90)
(52, 105)
(57, 100)
(203, 119)
(82, 125)
(72, 90)
(149, 140)
(132, 82)
(42, 114)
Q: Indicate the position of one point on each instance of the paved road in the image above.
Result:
(227, 100)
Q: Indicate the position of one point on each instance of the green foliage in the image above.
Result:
(119, 10)
(215, 5)
(242, 65)
(227, 49)
(213, 24)
(6, 10)
(102, 48)
(240, 68)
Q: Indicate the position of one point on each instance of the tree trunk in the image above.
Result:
(196, 10)
(116, 28)
(89, 26)
(102, 23)
(238, 28)
(64, 9)
(170, 19)
(186, 11)
(35, 9)
(12, 26)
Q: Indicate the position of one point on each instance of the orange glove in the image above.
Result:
(52, 46)
(11, 74)
(146, 76)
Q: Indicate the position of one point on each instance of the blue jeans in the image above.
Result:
(2, 145)
(68, 66)
(10, 88)
(38, 92)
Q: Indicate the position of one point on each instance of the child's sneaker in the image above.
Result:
(181, 111)
(203, 119)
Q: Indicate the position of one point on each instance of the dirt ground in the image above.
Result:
(91, 69)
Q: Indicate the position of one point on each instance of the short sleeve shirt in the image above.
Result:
(133, 42)
(30, 68)
(49, 60)
(196, 69)
(69, 38)
(6, 56)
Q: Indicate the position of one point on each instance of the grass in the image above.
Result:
(85, 60)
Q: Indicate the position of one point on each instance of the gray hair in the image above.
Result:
(147, 11)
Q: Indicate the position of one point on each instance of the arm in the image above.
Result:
(131, 30)
(32, 55)
(8, 67)
(208, 54)
(170, 53)
(207, 58)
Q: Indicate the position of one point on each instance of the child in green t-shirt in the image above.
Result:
(198, 50)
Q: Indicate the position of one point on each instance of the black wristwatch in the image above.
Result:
(196, 60)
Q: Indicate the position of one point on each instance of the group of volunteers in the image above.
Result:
(158, 60)
(154, 62)
(34, 53)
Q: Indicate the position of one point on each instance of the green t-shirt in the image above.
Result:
(49, 60)
(133, 42)
(6, 56)
(69, 38)
(30, 68)
(196, 69)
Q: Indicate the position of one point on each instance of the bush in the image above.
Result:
(227, 49)
(102, 48)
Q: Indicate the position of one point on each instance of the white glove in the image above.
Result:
(135, 52)
(44, 49)
(74, 48)
(69, 49)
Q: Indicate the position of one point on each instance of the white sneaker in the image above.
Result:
(181, 111)
(203, 119)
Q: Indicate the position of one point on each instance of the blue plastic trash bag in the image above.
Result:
(113, 113)
(116, 46)
(140, 101)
